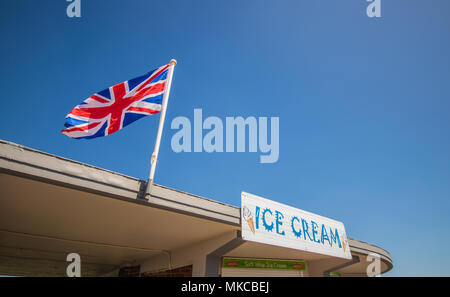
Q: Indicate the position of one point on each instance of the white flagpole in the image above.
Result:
(165, 99)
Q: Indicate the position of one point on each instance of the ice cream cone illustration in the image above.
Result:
(250, 223)
(344, 243)
(248, 216)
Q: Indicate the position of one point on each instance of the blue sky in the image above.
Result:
(364, 104)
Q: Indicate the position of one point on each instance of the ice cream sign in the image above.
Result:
(270, 222)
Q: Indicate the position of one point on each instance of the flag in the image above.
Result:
(118, 106)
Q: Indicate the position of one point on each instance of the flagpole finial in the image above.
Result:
(173, 62)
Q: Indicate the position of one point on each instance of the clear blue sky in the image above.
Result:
(364, 104)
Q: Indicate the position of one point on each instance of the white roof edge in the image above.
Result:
(19, 146)
(22, 147)
(31, 162)
(367, 248)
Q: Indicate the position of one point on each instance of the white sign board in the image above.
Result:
(270, 222)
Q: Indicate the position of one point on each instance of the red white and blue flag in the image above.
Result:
(118, 106)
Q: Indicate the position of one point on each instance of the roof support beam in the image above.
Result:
(213, 259)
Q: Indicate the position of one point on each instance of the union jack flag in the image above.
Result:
(118, 106)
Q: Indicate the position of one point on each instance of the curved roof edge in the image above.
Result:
(365, 248)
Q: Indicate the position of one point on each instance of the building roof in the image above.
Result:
(51, 201)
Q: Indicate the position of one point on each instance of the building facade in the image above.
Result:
(51, 207)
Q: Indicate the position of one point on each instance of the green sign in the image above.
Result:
(335, 274)
(263, 264)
